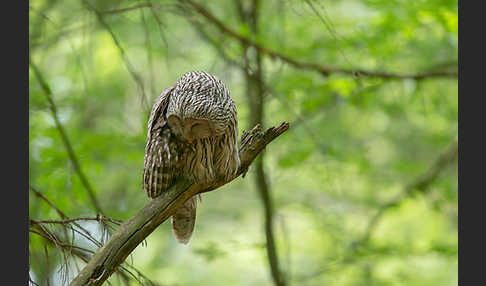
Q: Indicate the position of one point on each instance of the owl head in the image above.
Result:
(199, 107)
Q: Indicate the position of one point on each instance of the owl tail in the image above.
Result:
(183, 220)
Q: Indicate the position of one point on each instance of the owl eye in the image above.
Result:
(175, 124)
(201, 130)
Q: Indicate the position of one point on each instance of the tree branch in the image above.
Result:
(131, 69)
(131, 233)
(98, 218)
(255, 93)
(85, 232)
(80, 252)
(65, 139)
(420, 184)
(126, 9)
(57, 242)
(324, 70)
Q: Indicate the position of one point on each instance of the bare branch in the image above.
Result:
(324, 70)
(99, 218)
(79, 252)
(131, 233)
(148, 48)
(420, 184)
(40, 195)
(255, 90)
(136, 77)
(54, 239)
(65, 139)
(32, 281)
(122, 10)
(85, 232)
(215, 43)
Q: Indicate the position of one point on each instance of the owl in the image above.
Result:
(192, 132)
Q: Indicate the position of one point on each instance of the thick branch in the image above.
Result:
(130, 234)
(80, 252)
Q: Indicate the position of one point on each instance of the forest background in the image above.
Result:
(361, 190)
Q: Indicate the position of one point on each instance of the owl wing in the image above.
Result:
(162, 152)
(157, 115)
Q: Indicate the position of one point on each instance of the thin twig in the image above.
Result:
(86, 233)
(215, 43)
(32, 281)
(122, 10)
(161, 33)
(40, 195)
(73, 249)
(420, 184)
(80, 252)
(64, 137)
(255, 93)
(56, 241)
(330, 28)
(67, 221)
(148, 44)
(300, 120)
(136, 77)
(324, 70)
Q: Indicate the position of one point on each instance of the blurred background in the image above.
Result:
(361, 190)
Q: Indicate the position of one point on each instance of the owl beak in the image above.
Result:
(190, 141)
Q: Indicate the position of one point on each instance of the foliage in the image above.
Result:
(354, 143)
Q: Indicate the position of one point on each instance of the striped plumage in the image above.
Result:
(192, 132)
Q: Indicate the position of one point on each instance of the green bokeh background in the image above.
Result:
(353, 145)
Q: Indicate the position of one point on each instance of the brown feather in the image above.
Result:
(197, 109)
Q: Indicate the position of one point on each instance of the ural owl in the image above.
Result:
(192, 132)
